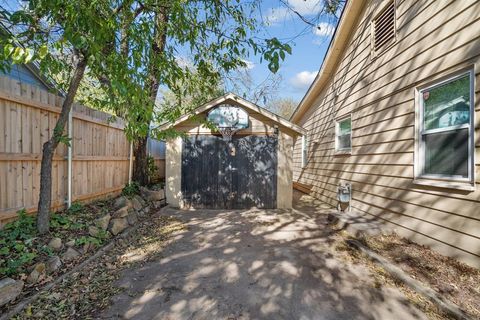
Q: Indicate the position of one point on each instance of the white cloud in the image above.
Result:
(324, 29)
(303, 80)
(276, 15)
(303, 7)
(306, 7)
(184, 62)
(249, 65)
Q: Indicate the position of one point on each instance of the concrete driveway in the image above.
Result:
(255, 264)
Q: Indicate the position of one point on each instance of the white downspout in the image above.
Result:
(69, 158)
(130, 166)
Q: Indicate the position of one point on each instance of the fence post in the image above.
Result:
(69, 158)
(130, 165)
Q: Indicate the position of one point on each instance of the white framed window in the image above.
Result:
(445, 130)
(304, 151)
(343, 134)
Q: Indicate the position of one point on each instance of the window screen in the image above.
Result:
(446, 129)
(344, 134)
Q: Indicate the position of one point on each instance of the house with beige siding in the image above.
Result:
(394, 112)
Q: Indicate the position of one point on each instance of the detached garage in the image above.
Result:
(233, 155)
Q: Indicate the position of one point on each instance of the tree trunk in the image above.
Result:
(45, 199)
(140, 170)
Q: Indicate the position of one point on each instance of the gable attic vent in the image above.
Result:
(383, 28)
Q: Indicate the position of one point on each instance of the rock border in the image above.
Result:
(442, 303)
(103, 250)
(134, 221)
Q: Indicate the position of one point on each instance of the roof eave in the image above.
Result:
(337, 45)
(243, 103)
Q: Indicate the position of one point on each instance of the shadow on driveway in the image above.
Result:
(255, 264)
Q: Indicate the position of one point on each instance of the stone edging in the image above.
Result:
(416, 285)
(106, 248)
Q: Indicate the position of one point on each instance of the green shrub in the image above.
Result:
(152, 169)
(159, 185)
(76, 208)
(22, 229)
(60, 221)
(131, 189)
(87, 239)
(17, 247)
(103, 235)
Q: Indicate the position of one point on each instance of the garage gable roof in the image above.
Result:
(238, 101)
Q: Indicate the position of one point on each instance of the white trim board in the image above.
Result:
(233, 98)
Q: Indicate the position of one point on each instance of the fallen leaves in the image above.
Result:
(85, 293)
(451, 278)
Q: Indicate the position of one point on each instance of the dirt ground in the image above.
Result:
(254, 264)
(454, 280)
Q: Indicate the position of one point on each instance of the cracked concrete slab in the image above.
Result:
(255, 264)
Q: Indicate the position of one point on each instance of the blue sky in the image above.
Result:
(309, 44)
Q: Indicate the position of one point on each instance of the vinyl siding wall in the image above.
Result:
(433, 40)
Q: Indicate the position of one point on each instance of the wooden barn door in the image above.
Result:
(236, 175)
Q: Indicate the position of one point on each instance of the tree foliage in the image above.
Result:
(216, 36)
(242, 83)
(187, 94)
(62, 37)
(130, 47)
(284, 107)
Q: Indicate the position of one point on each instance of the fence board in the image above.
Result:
(2, 126)
(28, 116)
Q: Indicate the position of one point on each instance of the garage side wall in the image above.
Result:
(284, 171)
(173, 171)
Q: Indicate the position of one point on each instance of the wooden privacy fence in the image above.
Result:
(28, 114)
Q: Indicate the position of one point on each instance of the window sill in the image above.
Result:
(458, 185)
